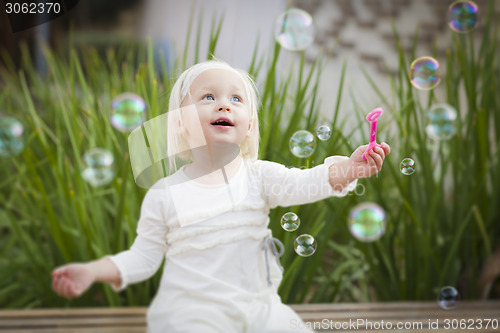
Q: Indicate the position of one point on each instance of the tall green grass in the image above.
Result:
(442, 222)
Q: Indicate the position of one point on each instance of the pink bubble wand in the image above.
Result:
(372, 118)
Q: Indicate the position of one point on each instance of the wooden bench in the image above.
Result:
(346, 317)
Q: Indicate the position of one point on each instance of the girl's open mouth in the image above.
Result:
(222, 123)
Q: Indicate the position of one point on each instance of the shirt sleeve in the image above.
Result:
(146, 254)
(284, 186)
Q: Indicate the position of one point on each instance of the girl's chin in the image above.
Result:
(220, 136)
(224, 141)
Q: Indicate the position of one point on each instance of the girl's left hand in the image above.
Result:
(374, 160)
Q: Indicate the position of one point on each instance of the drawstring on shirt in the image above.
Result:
(277, 248)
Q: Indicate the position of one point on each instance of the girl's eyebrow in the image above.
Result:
(210, 89)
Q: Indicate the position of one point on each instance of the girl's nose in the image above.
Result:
(224, 108)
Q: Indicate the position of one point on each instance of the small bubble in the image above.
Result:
(323, 132)
(305, 245)
(407, 166)
(448, 298)
(290, 221)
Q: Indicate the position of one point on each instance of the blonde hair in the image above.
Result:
(176, 143)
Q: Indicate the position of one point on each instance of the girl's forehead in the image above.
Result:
(218, 77)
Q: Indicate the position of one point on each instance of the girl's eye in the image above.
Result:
(235, 99)
(209, 98)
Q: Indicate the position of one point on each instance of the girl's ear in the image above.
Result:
(182, 129)
(250, 129)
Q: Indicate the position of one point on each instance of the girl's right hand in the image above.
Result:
(72, 280)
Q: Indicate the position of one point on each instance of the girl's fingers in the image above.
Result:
(372, 164)
(68, 288)
(59, 271)
(380, 152)
(71, 291)
(377, 158)
(55, 285)
(62, 287)
(386, 148)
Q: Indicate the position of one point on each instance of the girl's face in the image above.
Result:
(222, 109)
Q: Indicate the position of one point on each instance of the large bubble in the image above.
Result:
(11, 137)
(462, 16)
(425, 73)
(128, 112)
(367, 222)
(302, 143)
(441, 119)
(98, 167)
(294, 29)
(290, 221)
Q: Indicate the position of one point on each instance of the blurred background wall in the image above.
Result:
(359, 32)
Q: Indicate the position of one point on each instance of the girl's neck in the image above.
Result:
(212, 167)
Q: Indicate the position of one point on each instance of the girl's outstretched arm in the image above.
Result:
(138, 263)
(74, 279)
(346, 171)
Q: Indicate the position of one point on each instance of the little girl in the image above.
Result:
(209, 220)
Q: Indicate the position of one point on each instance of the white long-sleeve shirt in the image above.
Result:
(212, 235)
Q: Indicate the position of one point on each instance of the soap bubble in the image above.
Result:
(128, 112)
(425, 73)
(462, 16)
(302, 143)
(407, 166)
(294, 29)
(98, 169)
(323, 132)
(305, 245)
(367, 222)
(290, 221)
(11, 137)
(448, 298)
(441, 121)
